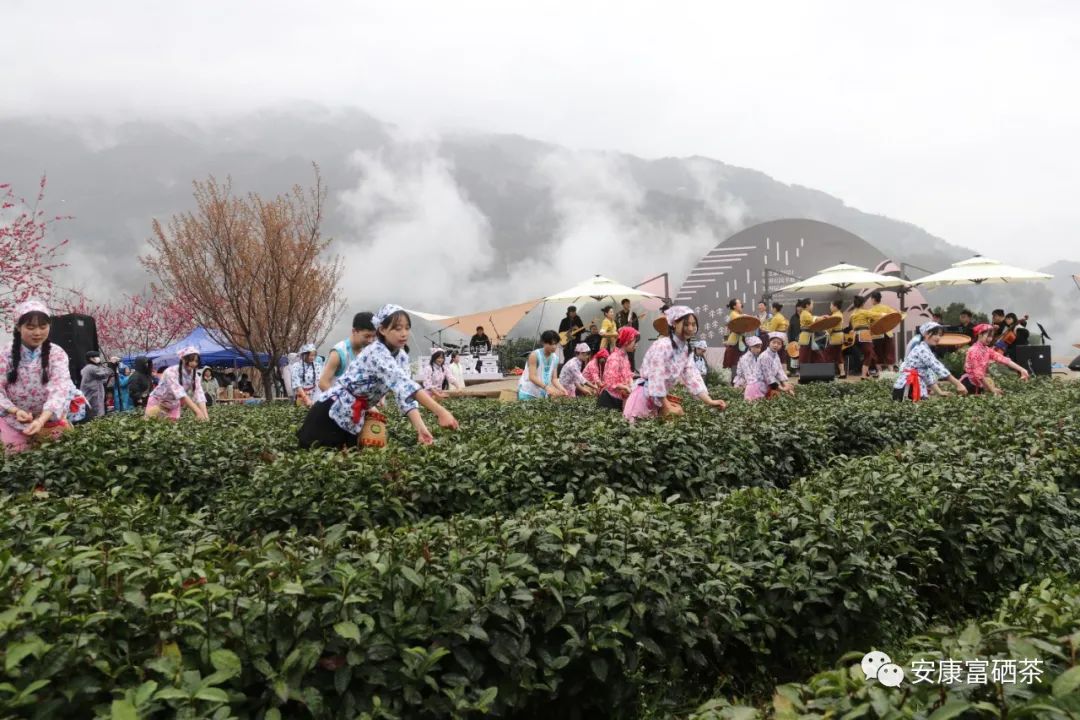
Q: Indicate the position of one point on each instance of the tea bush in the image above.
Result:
(1039, 621)
(444, 581)
(181, 460)
(532, 455)
(509, 463)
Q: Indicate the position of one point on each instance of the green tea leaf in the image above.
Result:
(1067, 682)
(212, 694)
(348, 630)
(951, 709)
(226, 661)
(124, 710)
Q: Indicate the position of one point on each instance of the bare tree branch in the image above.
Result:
(254, 272)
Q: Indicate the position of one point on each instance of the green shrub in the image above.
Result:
(214, 570)
(1039, 622)
(567, 610)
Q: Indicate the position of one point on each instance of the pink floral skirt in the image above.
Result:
(172, 414)
(14, 441)
(755, 391)
(639, 405)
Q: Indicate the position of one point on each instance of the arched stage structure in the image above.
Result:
(753, 264)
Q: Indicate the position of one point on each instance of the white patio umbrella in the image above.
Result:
(599, 287)
(980, 271)
(845, 277)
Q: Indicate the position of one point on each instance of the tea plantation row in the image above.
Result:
(433, 601)
(245, 467)
(559, 442)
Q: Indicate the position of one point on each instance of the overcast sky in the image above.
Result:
(961, 117)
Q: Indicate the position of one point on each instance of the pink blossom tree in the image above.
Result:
(27, 257)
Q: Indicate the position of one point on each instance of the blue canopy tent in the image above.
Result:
(211, 352)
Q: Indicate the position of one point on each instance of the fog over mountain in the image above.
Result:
(449, 223)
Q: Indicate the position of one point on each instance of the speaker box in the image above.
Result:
(1034, 358)
(817, 372)
(77, 334)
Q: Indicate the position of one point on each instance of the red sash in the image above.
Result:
(913, 383)
(358, 407)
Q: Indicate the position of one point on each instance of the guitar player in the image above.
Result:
(570, 328)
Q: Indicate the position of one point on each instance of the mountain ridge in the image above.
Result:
(525, 214)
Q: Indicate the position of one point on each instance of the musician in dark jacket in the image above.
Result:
(569, 325)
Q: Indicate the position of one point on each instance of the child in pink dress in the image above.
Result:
(978, 359)
(618, 375)
(747, 373)
(180, 386)
(594, 370)
(669, 362)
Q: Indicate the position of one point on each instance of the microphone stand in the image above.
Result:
(440, 331)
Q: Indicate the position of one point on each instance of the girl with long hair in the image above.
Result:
(435, 378)
(455, 372)
(305, 374)
(180, 387)
(37, 396)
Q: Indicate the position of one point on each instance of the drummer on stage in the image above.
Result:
(861, 319)
(777, 323)
(884, 345)
(735, 343)
(834, 350)
(806, 319)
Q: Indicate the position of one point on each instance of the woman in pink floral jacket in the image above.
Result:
(618, 377)
(36, 391)
(669, 362)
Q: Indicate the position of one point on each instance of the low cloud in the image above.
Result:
(422, 243)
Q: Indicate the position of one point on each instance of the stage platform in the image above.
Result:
(487, 388)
